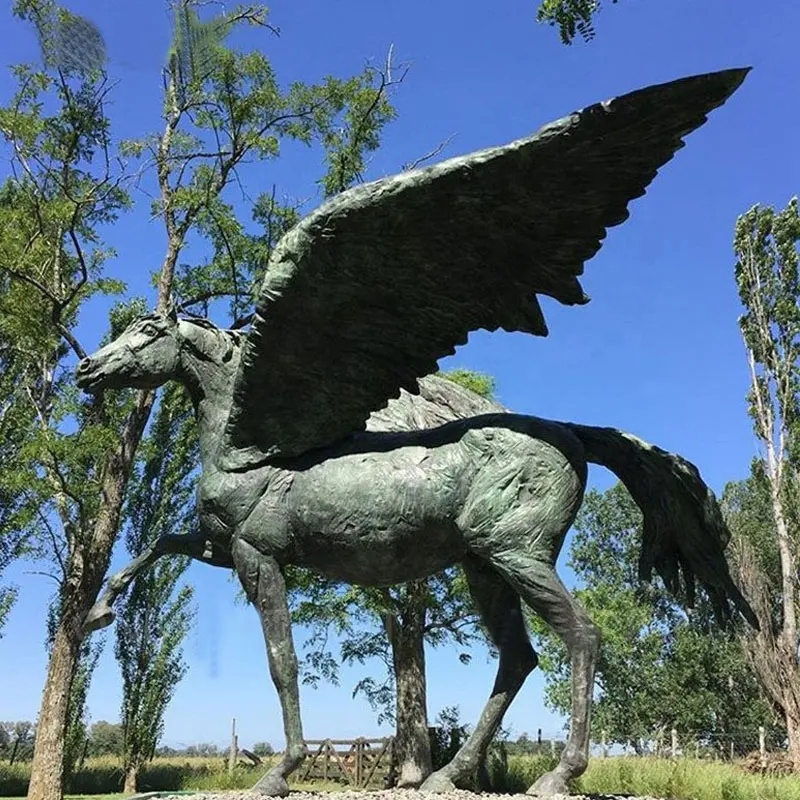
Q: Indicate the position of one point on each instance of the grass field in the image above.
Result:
(685, 779)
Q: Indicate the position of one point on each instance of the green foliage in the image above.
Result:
(103, 776)
(76, 734)
(748, 512)
(17, 423)
(224, 107)
(357, 616)
(684, 779)
(196, 45)
(572, 17)
(766, 245)
(478, 382)
(16, 740)
(523, 772)
(447, 735)
(658, 667)
(50, 264)
(106, 739)
(51, 258)
(153, 620)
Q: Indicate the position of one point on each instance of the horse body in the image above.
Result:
(386, 508)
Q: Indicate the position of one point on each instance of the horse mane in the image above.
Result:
(229, 340)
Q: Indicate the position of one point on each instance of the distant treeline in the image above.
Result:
(105, 738)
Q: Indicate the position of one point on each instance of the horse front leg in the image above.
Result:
(264, 584)
(193, 545)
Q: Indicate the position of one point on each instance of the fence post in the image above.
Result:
(553, 748)
(603, 743)
(674, 743)
(234, 749)
(762, 747)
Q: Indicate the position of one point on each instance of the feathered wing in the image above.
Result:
(368, 292)
(438, 401)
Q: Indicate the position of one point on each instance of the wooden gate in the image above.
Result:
(356, 762)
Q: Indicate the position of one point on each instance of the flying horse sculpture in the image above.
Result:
(359, 301)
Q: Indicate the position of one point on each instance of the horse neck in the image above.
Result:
(208, 367)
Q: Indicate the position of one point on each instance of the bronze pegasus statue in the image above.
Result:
(359, 302)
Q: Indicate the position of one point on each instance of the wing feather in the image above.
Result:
(368, 292)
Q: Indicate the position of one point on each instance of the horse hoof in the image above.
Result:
(272, 786)
(551, 784)
(99, 617)
(436, 782)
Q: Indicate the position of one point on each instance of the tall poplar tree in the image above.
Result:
(155, 615)
(766, 244)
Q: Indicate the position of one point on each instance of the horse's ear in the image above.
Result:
(172, 309)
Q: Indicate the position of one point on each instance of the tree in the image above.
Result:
(76, 735)
(16, 423)
(16, 740)
(66, 185)
(62, 189)
(572, 17)
(154, 620)
(394, 624)
(262, 749)
(106, 738)
(766, 247)
(658, 667)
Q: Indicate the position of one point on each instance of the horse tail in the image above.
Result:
(684, 534)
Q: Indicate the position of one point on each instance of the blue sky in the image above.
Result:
(657, 352)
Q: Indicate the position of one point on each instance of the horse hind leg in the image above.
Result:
(540, 587)
(500, 610)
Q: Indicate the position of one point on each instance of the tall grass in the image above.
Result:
(685, 779)
(104, 775)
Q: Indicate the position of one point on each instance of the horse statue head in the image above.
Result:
(155, 348)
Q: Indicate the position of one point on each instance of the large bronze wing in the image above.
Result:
(365, 294)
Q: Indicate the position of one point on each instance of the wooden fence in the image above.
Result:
(356, 762)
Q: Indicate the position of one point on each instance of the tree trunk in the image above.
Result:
(771, 652)
(412, 746)
(131, 779)
(792, 717)
(47, 768)
(88, 562)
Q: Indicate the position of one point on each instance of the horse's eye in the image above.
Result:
(150, 330)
